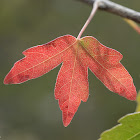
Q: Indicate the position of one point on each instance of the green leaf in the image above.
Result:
(128, 129)
(138, 102)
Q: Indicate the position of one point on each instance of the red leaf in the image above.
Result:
(72, 81)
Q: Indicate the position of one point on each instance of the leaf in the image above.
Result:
(138, 102)
(76, 57)
(129, 129)
(133, 24)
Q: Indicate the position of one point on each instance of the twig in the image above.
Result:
(117, 9)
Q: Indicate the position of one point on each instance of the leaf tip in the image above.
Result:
(67, 117)
(65, 124)
(6, 81)
(132, 96)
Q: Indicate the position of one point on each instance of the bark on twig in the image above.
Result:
(117, 9)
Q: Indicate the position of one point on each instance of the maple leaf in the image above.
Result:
(76, 56)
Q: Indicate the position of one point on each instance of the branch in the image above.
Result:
(117, 9)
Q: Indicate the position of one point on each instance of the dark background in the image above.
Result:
(29, 111)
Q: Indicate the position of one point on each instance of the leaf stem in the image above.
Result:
(94, 9)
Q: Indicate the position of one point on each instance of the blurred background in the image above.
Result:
(29, 111)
